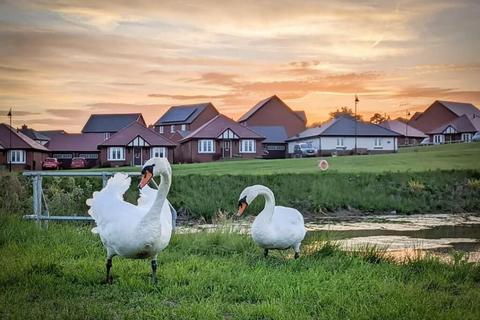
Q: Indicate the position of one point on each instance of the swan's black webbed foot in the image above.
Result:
(297, 255)
(265, 253)
(154, 271)
(108, 278)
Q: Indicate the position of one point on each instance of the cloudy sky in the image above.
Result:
(63, 60)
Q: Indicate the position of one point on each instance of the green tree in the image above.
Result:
(344, 111)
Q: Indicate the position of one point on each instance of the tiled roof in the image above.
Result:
(182, 114)
(71, 142)
(345, 126)
(33, 134)
(110, 122)
(465, 123)
(272, 134)
(216, 126)
(460, 108)
(19, 140)
(135, 129)
(262, 103)
(402, 128)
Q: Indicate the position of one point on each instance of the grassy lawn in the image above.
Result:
(57, 273)
(454, 156)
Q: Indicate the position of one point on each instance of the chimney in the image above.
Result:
(24, 127)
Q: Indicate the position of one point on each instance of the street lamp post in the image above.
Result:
(9, 153)
(356, 101)
(406, 126)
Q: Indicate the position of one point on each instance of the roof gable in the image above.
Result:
(111, 122)
(19, 140)
(299, 114)
(183, 114)
(217, 126)
(133, 131)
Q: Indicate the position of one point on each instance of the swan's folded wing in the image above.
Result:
(105, 204)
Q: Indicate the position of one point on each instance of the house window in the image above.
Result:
(172, 128)
(340, 143)
(16, 156)
(116, 153)
(62, 155)
(466, 137)
(159, 152)
(247, 146)
(106, 135)
(184, 127)
(377, 144)
(438, 138)
(88, 155)
(160, 129)
(206, 146)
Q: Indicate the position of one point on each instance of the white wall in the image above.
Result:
(330, 143)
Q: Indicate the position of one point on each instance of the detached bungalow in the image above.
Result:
(22, 152)
(220, 138)
(337, 136)
(408, 134)
(133, 145)
(461, 129)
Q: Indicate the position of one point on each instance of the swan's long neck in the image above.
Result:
(267, 211)
(153, 215)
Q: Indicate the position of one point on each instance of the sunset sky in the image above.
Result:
(60, 61)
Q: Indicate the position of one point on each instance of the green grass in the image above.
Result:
(442, 157)
(57, 273)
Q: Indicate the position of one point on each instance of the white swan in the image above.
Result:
(134, 231)
(275, 227)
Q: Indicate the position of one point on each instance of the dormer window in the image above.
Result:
(184, 127)
(106, 135)
(160, 129)
(172, 128)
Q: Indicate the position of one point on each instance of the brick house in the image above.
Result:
(460, 129)
(22, 152)
(440, 113)
(337, 136)
(408, 134)
(220, 138)
(274, 119)
(133, 145)
(179, 121)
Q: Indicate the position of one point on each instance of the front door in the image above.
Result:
(137, 156)
(226, 149)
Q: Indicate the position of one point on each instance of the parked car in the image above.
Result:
(78, 163)
(304, 150)
(425, 141)
(476, 137)
(50, 163)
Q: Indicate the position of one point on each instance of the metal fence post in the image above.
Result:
(36, 202)
(104, 179)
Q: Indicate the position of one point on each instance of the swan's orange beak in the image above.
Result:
(145, 179)
(242, 206)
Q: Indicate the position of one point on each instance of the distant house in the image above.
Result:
(179, 121)
(220, 138)
(460, 129)
(108, 124)
(274, 112)
(133, 145)
(408, 134)
(337, 136)
(440, 113)
(36, 136)
(274, 145)
(19, 150)
(66, 146)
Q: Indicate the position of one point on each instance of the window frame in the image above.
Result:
(342, 145)
(164, 153)
(206, 146)
(172, 128)
(110, 152)
(248, 146)
(377, 143)
(18, 160)
(468, 135)
(183, 127)
(160, 129)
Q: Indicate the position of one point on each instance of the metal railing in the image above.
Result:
(40, 206)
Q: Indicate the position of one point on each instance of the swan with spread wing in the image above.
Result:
(134, 231)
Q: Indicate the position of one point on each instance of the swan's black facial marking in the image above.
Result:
(148, 168)
(242, 201)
